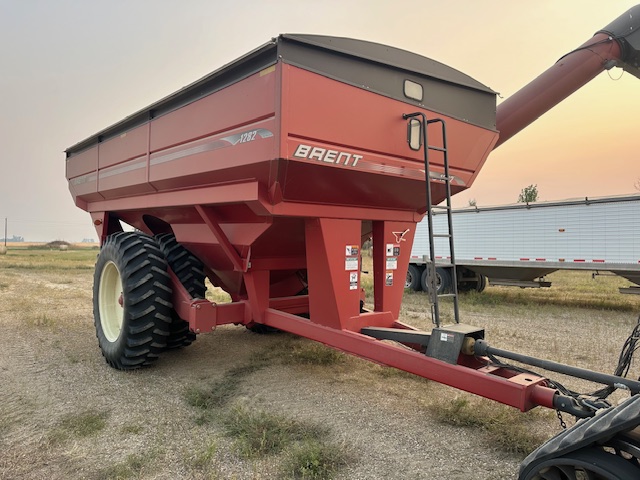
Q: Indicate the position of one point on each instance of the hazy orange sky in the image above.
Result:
(70, 68)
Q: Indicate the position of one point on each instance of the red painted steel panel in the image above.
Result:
(325, 111)
(334, 283)
(126, 178)
(133, 143)
(239, 104)
(82, 163)
(84, 188)
(237, 154)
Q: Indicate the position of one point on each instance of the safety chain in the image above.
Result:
(562, 424)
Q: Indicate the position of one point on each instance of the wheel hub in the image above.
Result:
(111, 302)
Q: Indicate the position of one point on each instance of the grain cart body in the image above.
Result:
(301, 138)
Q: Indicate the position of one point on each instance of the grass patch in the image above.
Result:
(133, 466)
(258, 433)
(4, 285)
(132, 429)
(79, 425)
(85, 424)
(291, 351)
(221, 391)
(40, 320)
(307, 451)
(48, 260)
(510, 430)
(315, 460)
(305, 352)
(205, 458)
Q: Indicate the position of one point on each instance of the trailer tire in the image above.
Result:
(478, 284)
(190, 271)
(443, 280)
(482, 283)
(414, 278)
(131, 300)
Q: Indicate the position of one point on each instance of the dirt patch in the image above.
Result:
(65, 414)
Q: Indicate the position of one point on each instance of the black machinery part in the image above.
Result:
(602, 447)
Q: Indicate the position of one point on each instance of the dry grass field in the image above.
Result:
(237, 405)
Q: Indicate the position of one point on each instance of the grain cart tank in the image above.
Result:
(267, 175)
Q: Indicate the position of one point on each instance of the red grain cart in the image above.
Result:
(267, 176)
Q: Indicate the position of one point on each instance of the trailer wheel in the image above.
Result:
(482, 283)
(413, 280)
(478, 284)
(443, 280)
(131, 300)
(190, 271)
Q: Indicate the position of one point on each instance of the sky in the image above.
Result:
(69, 68)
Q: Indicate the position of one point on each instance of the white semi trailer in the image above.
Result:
(520, 244)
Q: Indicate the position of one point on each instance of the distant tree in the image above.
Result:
(637, 184)
(472, 202)
(528, 194)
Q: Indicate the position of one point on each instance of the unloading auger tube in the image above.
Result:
(616, 45)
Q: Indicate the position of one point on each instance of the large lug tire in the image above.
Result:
(131, 300)
(443, 280)
(190, 271)
(413, 280)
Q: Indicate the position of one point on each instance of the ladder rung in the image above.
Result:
(441, 207)
(438, 149)
(446, 295)
(442, 235)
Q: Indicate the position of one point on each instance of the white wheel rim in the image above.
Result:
(110, 291)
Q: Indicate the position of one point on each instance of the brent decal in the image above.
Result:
(326, 155)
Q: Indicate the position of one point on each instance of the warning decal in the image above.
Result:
(352, 250)
(351, 263)
(388, 279)
(353, 281)
(393, 250)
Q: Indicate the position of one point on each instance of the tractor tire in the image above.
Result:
(413, 280)
(190, 271)
(131, 300)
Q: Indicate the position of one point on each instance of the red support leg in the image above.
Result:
(392, 242)
(257, 285)
(333, 269)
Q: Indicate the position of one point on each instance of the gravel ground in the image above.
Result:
(51, 371)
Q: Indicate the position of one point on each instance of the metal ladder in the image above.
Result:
(446, 179)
